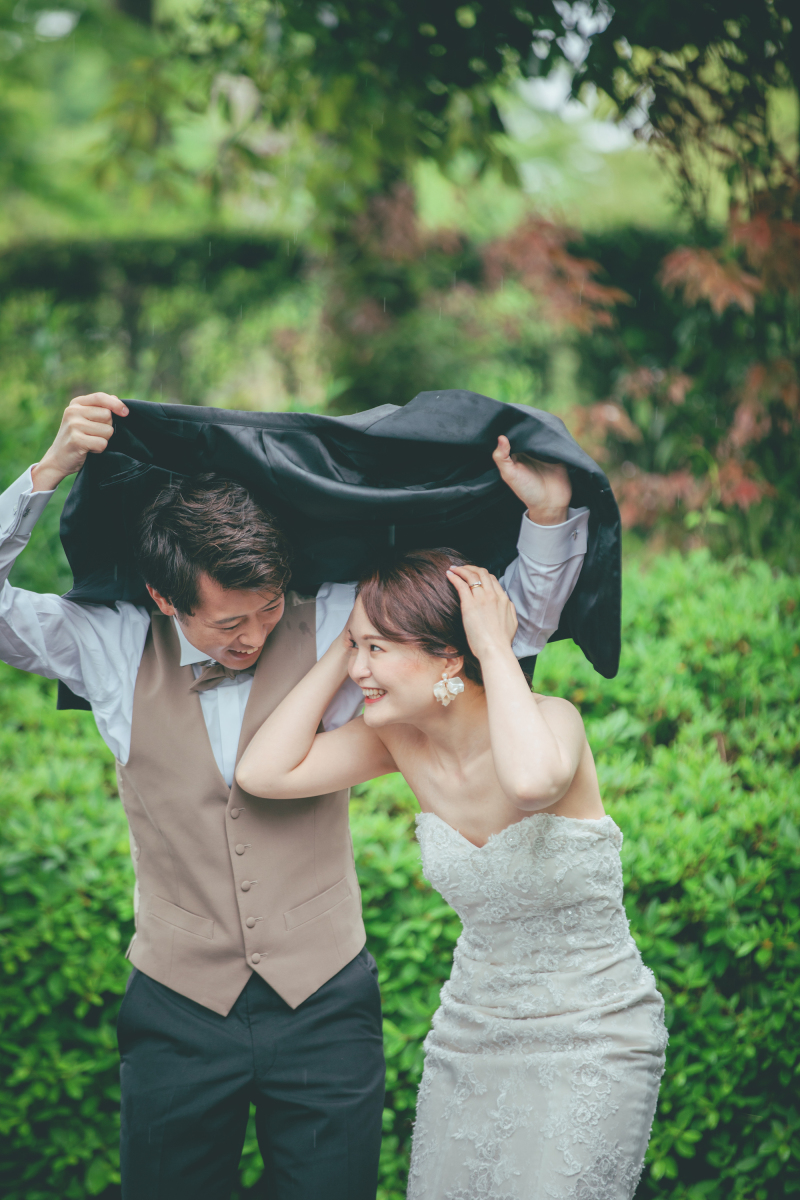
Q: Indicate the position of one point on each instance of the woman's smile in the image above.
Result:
(373, 695)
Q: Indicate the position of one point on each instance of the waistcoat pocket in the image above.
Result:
(180, 917)
(317, 905)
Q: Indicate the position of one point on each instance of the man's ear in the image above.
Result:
(164, 605)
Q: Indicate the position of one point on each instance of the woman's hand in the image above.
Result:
(536, 747)
(342, 646)
(490, 620)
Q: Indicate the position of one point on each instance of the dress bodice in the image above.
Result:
(540, 903)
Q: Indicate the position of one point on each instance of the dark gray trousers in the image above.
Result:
(315, 1073)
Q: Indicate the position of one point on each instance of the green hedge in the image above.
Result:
(697, 741)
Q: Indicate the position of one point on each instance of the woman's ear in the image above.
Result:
(454, 666)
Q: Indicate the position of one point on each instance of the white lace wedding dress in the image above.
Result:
(543, 1064)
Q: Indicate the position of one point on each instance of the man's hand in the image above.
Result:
(544, 487)
(85, 429)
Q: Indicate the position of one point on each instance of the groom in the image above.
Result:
(251, 980)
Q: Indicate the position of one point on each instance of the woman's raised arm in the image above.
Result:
(288, 759)
(536, 746)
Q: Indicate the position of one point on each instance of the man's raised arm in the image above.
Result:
(551, 545)
(92, 648)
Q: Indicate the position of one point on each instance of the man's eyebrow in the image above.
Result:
(227, 620)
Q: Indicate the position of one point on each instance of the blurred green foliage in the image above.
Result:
(65, 916)
(697, 409)
(697, 741)
(707, 80)
(216, 205)
(289, 140)
(693, 412)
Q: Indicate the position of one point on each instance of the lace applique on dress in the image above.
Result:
(543, 1063)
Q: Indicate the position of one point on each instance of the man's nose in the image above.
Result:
(252, 635)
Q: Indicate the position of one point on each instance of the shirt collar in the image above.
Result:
(189, 653)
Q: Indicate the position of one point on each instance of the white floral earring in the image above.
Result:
(446, 689)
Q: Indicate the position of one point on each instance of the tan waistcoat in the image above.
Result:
(228, 883)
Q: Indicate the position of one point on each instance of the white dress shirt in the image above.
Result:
(96, 650)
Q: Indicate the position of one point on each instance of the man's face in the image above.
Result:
(230, 627)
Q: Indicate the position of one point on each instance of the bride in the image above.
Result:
(543, 1064)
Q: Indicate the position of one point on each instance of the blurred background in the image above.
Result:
(591, 208)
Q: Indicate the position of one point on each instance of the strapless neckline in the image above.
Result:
(496, 838)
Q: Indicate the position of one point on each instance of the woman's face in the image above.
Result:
(396, 678)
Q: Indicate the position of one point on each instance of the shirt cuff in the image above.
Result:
(551, 545)
(21, 507)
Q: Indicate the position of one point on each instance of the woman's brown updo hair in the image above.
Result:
(410, 599)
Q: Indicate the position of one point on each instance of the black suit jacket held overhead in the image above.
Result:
(345, 488)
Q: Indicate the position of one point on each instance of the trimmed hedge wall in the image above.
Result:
(697, 742)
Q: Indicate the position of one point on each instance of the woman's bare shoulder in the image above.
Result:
(556, 703)
(558, 709)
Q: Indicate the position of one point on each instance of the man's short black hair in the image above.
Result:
(207, 523)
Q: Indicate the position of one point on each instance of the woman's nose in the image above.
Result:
(359, 668)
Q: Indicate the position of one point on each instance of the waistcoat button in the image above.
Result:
(250, 922)
(235, 812)
(240, 849)
(255, 958)
(245, 885)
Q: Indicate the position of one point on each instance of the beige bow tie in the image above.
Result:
(211, 676)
